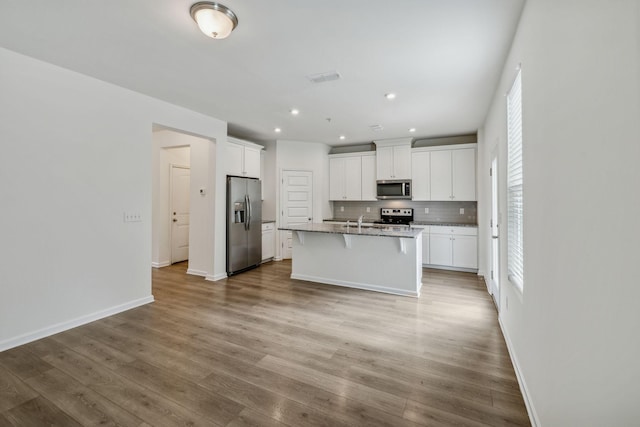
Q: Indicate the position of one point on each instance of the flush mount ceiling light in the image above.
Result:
(412, 130)
(342, 137)
(214, 20)
(390, 95)
(277, 130)
(294, 112)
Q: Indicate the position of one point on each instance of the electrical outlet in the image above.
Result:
(132, 217)
(426, 210)
(461, 211)
(368, 209)
(341, 208)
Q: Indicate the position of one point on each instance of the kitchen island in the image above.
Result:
(383, 259)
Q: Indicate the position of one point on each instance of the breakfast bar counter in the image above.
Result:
(383, 259)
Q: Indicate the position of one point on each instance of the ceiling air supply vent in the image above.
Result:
(376, 128)
(324, 77)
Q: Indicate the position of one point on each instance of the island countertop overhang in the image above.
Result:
(386, 231)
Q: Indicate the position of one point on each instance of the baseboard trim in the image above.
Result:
(215, 277)
(197, 272)
(531, 411)
(447, 267)
(78, 321)
(355, 285)
(160, 264)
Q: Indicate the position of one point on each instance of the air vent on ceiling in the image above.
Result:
(324, 77)
(376, 128)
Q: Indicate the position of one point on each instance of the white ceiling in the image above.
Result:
(441, 57)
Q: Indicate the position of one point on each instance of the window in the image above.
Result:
(515, 256)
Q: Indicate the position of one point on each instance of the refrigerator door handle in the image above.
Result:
(247, 221)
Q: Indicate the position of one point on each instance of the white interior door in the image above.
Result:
(495, 234)
(180, 183)
(296, 204)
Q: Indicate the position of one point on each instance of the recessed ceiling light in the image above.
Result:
(277, 130)
(412, 130)
(342, 137)
(390, 95)
(294, 112)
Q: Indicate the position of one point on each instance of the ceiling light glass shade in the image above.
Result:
(214, 20)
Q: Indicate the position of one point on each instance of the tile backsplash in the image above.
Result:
(438, 211)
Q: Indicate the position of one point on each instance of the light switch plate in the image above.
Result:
(341, 208)
(426, 210)
(461, 211)
(132, 217)
(368, 209)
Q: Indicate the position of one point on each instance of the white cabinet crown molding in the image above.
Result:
(244, 143)
(444, 147)
(393, 142)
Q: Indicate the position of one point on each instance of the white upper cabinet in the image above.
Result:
(453, 174)
(243, 158)
(345, 176)
(369, 177)
(352, 176)
(393, 159)
(441, 175)
(421, 175)
(464, 174)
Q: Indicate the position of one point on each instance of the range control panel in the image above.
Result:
(396, 212)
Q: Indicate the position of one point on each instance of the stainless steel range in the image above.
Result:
(390, 216)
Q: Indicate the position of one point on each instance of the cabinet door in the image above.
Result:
(402, 162)
(440, 246)
(234, 159)
(368, 178)
(465, 251)
(464, 174)
(425, 248)
(441, 175)
(353, 178)
(336, 178)
(251, 162)
(420, 176)
(268, 244)
(384, 162)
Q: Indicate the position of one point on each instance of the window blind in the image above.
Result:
(515, 255)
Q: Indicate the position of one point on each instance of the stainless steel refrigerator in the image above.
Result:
(244, 224)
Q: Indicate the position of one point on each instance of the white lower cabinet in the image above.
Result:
(425, 243)
(268, 240)
(453, 247)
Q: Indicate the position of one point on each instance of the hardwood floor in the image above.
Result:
(260, 349)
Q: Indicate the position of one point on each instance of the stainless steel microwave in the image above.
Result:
(393, 189)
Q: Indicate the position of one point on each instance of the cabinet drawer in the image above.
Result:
(269, 226)
(457, 231)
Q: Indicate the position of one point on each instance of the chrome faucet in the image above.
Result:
(360, 218)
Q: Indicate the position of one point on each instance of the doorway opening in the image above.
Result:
(495, 234)
(180, 179)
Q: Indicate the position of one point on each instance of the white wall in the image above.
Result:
(312, 156)
(76, 154)
(574, 331)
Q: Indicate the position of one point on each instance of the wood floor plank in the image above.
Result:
(39, 412)
(13, 391)
(210, 405)
(79, 401)
(262, 349)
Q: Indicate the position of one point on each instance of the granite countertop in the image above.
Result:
(443, 224)
(380, 231)
(436, 223)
